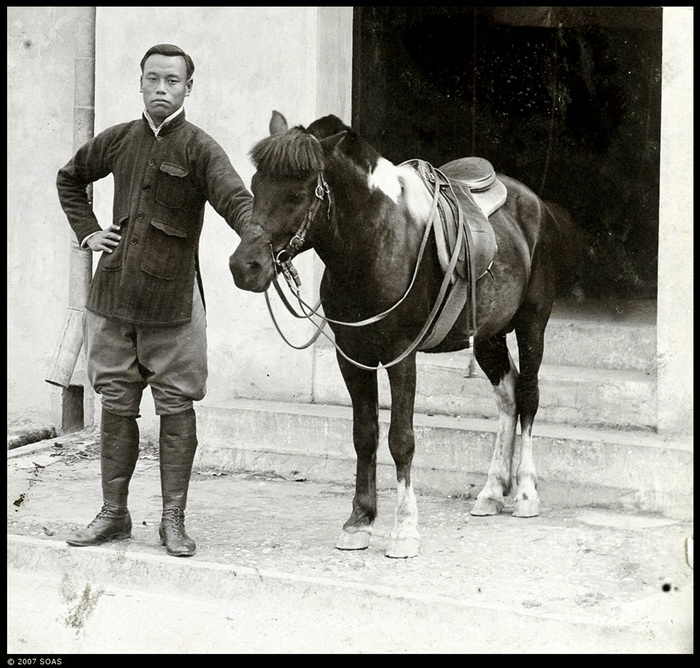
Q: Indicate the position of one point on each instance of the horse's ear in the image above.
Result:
(332, 142)
(278, 123)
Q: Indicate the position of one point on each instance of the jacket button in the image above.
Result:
(146, 188)
(151, 162)
(139, 214)
(134, 242)
(158, 138)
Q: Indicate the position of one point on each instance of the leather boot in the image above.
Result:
(178, 443)
(111, 523)
(173, 535)
(119, 450)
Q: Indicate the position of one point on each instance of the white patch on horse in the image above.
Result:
(403, 186)
(385, 178)
(406, 519)
(416, 198)
(405, 539)
(501, 465)
(490, 500)
(527, 503)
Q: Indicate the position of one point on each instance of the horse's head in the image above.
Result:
(291, 198)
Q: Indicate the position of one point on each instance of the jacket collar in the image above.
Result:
(171, 123)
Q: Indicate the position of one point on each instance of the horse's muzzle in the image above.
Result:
(250, 273)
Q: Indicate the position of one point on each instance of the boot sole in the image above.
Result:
(99, 542)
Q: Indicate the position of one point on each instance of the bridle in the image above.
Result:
(283, 260)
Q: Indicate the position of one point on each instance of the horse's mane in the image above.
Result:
(298, 151)
(291, 153)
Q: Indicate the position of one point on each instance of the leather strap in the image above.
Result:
(460, 288)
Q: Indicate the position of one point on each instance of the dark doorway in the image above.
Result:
(565, 99)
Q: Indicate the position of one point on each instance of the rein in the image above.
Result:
(283, 260)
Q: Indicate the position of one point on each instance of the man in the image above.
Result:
(144, 322)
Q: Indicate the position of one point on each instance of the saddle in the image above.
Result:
(468, 193)
(475, 190)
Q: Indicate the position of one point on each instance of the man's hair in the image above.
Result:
(169, 50)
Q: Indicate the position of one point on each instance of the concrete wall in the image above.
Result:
(675, 295)
(40, 75)
(248, 62)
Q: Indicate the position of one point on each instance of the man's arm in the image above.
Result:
(223, 187)
(90, 163)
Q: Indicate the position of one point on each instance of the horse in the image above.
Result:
(325, 187)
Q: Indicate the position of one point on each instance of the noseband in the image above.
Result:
(283, 259)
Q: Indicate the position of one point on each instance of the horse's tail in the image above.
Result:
(567, 246)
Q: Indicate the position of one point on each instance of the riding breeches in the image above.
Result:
(123, 358)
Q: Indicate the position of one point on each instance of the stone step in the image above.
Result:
(574, 395)
(626, 470)
(599, 335)
(599, 345)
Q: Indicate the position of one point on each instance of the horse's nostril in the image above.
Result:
(244, 266)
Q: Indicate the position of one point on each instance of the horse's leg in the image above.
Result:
(495, 360)
(531, 346)
(362, 386)
(404, 540)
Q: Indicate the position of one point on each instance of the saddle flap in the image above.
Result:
(479, 236)
(479, 244)
(491, 200)
(462, 215)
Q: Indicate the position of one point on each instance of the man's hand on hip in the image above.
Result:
(105, 240)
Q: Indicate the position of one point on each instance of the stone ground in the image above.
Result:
(570, 581)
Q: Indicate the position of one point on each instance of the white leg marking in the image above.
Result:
(527, 503)
(490, 500)
(515, 462)
(404, 539)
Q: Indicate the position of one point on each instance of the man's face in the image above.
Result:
(164, 85)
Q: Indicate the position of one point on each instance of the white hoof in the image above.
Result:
(487, 506)
(405, 548)
(526, 507)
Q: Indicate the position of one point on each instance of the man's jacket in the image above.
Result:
(161, 184)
